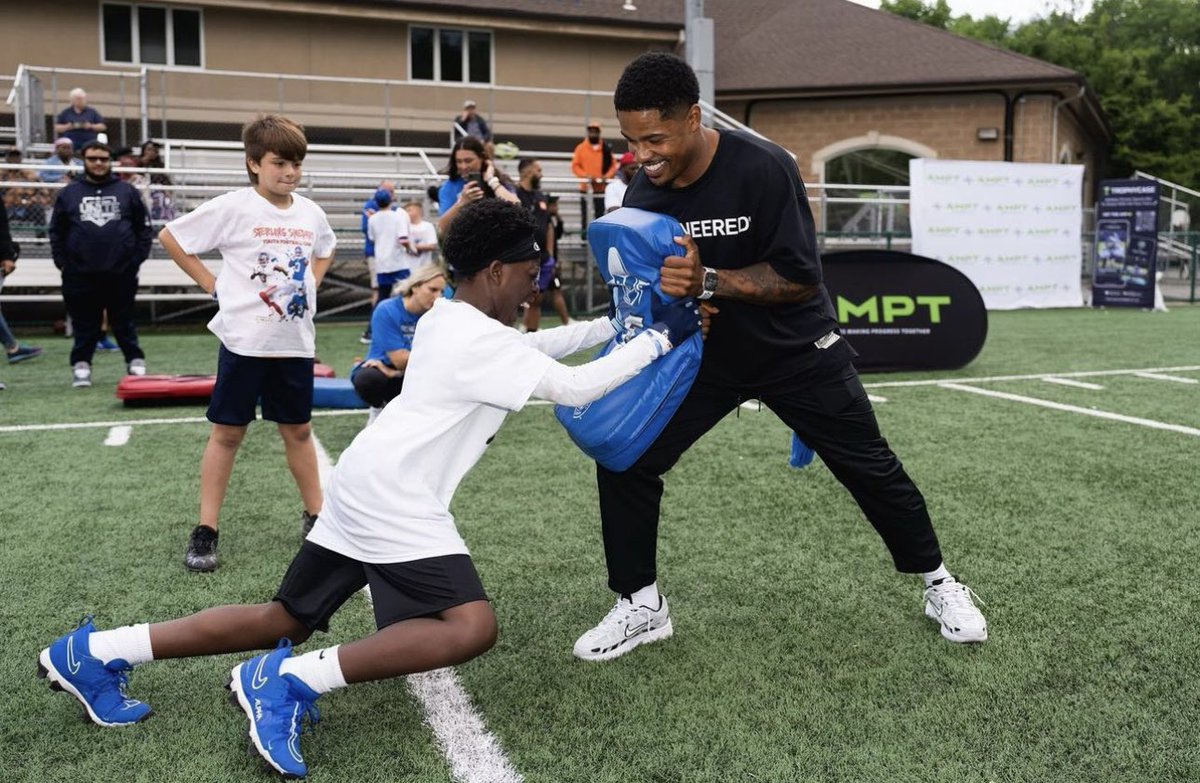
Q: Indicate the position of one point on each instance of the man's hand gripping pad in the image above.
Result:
(628, 246)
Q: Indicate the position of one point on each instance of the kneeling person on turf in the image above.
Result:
(467, 370)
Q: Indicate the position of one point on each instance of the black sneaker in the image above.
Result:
(307, 521)
(202, 549)
(366, 337)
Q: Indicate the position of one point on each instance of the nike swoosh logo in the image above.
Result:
(321, 656)
(293, 744)
(631, 631)
(258, 680)
(72, 662)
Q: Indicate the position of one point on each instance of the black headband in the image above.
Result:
(525, 249)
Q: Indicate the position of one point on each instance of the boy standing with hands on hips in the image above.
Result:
(275, 245)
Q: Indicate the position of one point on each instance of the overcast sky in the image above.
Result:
(1016, 10)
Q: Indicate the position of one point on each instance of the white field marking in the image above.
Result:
(1058, 406)
(1072, 384)
(1154, 376)
(876, 398)
(1037, 377)
(752, 405)
(119, 435)
(85, 425)
(474, 753)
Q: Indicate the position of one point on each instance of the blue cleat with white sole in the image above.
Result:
(99, 687)
(276, 705)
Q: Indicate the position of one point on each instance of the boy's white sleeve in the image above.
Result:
(202, 229)
(589, 382)
(565, 340)
(326, 240)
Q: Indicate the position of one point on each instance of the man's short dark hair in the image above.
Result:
(657, 80)
(483, 230)
(525, 163)
(96, 145)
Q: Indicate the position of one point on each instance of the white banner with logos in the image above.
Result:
(1012, 228)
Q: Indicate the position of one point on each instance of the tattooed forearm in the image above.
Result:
(760, 284)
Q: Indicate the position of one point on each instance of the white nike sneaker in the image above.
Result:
(623, 628)
(950, 604)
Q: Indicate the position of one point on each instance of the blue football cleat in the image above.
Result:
(276, 704)
(100, 687)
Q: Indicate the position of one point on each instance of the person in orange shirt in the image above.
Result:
(594, 164)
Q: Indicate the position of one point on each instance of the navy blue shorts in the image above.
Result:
(385, 280)
(320, 580)
(285, 386)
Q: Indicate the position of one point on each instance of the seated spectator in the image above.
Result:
(471, 178)
(24, 205)
(8, 262)
(62, 165)
(162, 204)
(380, 377)
(79, 122)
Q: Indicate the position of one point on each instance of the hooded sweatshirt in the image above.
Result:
(99, 227)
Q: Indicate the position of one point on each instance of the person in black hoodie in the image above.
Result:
(99, 236)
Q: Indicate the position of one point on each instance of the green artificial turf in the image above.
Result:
(799, 654)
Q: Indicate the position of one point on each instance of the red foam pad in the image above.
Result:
(165, 387)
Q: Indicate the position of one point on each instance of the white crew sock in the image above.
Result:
(939, 573)
(320, 670)
(647, 596)
(373, 414)
(130, 643)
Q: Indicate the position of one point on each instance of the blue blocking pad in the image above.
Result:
(335, 393)
(802, 453)
(629, 246)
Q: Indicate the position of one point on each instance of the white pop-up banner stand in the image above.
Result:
(1012, 228)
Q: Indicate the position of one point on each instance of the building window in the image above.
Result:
(450, 55)
(152, 35)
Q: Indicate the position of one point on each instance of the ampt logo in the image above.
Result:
(889, 308)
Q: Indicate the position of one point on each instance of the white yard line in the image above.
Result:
(87, 425)
(1154, 376)
(119, 435)
(1037, 377)
(1058, 406)
(1071, 383)
(473, 752)
(876, 398)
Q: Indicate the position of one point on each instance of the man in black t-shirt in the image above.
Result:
(534, 200)
(771, 335)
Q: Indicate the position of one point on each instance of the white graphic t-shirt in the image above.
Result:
(389, 498)
(422, 233)
(388, 229)
(266, 289)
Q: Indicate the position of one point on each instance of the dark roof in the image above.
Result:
(649, 13)
(798, 46)
(838, 46)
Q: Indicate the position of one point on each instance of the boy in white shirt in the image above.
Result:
(388, 230)
(275, 247)
(387, 521)
(422, 235)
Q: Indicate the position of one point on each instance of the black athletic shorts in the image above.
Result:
(320, 580)
(285, 386)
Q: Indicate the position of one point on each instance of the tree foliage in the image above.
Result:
(1141, 57)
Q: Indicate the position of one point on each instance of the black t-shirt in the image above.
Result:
(535, 202)
(750, 206)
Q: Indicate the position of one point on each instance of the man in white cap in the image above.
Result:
(57, 167)
(470, 123)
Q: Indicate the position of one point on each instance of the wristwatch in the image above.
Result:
(709, 286)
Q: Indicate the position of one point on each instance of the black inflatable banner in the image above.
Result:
(903, 312)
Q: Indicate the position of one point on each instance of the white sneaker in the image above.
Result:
(623, 628)
(137, 367)
(950, 604)
(82, 375)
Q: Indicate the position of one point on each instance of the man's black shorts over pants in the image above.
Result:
(830, 412)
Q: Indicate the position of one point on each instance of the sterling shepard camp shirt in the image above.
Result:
(266, 291)
(750, 206)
